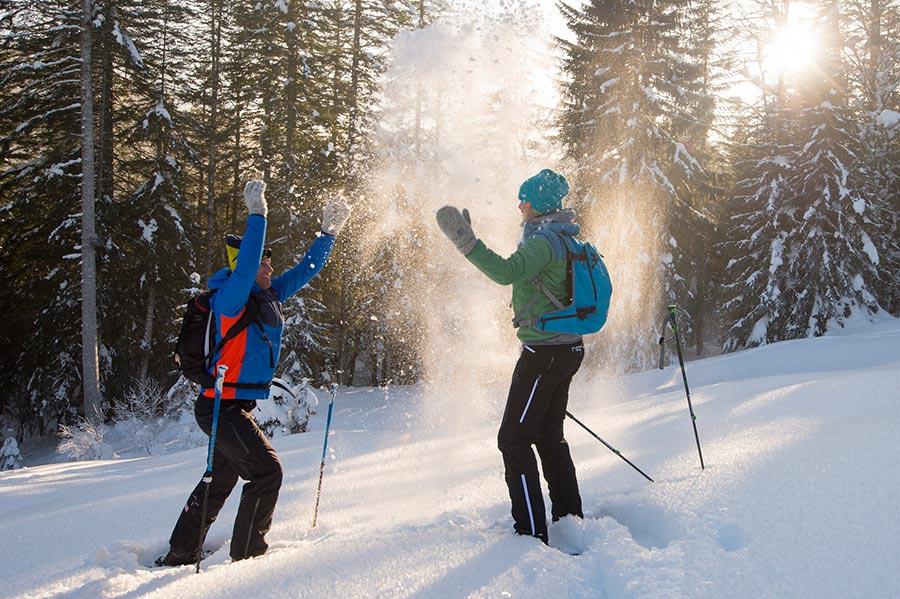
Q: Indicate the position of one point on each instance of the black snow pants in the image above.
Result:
(242, 450)
(535, 410)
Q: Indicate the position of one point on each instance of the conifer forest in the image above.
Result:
(740, 159)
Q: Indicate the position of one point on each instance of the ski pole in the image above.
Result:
(208, 476)
(608, 446)
(670, 318)
(324, 451)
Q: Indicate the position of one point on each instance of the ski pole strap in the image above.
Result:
(277, 382)
(670, 320)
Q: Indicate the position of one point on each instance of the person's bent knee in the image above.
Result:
(279, 475)
(275, 476)
(268, 478)
(507, 442)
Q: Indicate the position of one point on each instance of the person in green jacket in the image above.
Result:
(539, 392)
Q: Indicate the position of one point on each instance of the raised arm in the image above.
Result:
(233, 295)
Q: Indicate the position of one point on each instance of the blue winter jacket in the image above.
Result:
(252, 355)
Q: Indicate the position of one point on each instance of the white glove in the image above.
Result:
(254, 197)
(334, 215)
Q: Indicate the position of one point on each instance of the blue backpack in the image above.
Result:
(589, 290)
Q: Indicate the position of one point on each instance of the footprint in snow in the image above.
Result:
(649, 525)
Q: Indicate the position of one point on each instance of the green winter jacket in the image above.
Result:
(540, 252)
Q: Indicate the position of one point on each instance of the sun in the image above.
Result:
(793, 48)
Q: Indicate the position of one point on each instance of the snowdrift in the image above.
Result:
(798, 498)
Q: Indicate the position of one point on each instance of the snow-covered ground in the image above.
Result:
(798, 499)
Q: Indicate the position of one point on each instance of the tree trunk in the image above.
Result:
(417, 131)
(149, 321)
(353, 100)
(234, 203)
(235, 206)
(105, 118)
(266, 140)
(290, 96)
(875, 49)
(373, 360)
(212, 132)
(90, 370)
(344, 328)
(350, 371)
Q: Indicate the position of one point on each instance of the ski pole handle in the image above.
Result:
(220, 379)
(672, 308)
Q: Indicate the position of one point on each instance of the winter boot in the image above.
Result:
(177, 558)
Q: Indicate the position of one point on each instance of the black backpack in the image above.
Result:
(195, 346)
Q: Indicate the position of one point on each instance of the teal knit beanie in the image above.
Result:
(544, 191)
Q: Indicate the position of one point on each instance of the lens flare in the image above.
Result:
(794, 48)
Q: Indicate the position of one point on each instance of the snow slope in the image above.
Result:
(798, 498)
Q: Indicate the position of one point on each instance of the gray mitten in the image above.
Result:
(334, 215)
(457, 227)
(254, 197)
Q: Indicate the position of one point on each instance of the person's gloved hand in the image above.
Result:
(254, 197)
(334, 215)
(457, 227)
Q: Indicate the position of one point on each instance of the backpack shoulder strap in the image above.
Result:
(556, 240)
(538, 282)
(251, 311)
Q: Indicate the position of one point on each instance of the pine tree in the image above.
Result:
(279, 89)
(873, 51)
(839, 241)
(158, 240)
(759, 215)
(753, 300)
(355, 36)
(809, 239)
(635, 118)
(39, 225)
(124, 30)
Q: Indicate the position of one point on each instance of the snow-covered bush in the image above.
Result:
(284, 414)
(149, 420)
(138, 415)
(84, 441)
(143, 401)
(181, 396)
(10, 458)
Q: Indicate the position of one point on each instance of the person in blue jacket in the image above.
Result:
(242, 449)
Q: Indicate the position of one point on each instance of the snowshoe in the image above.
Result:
(180, 558)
